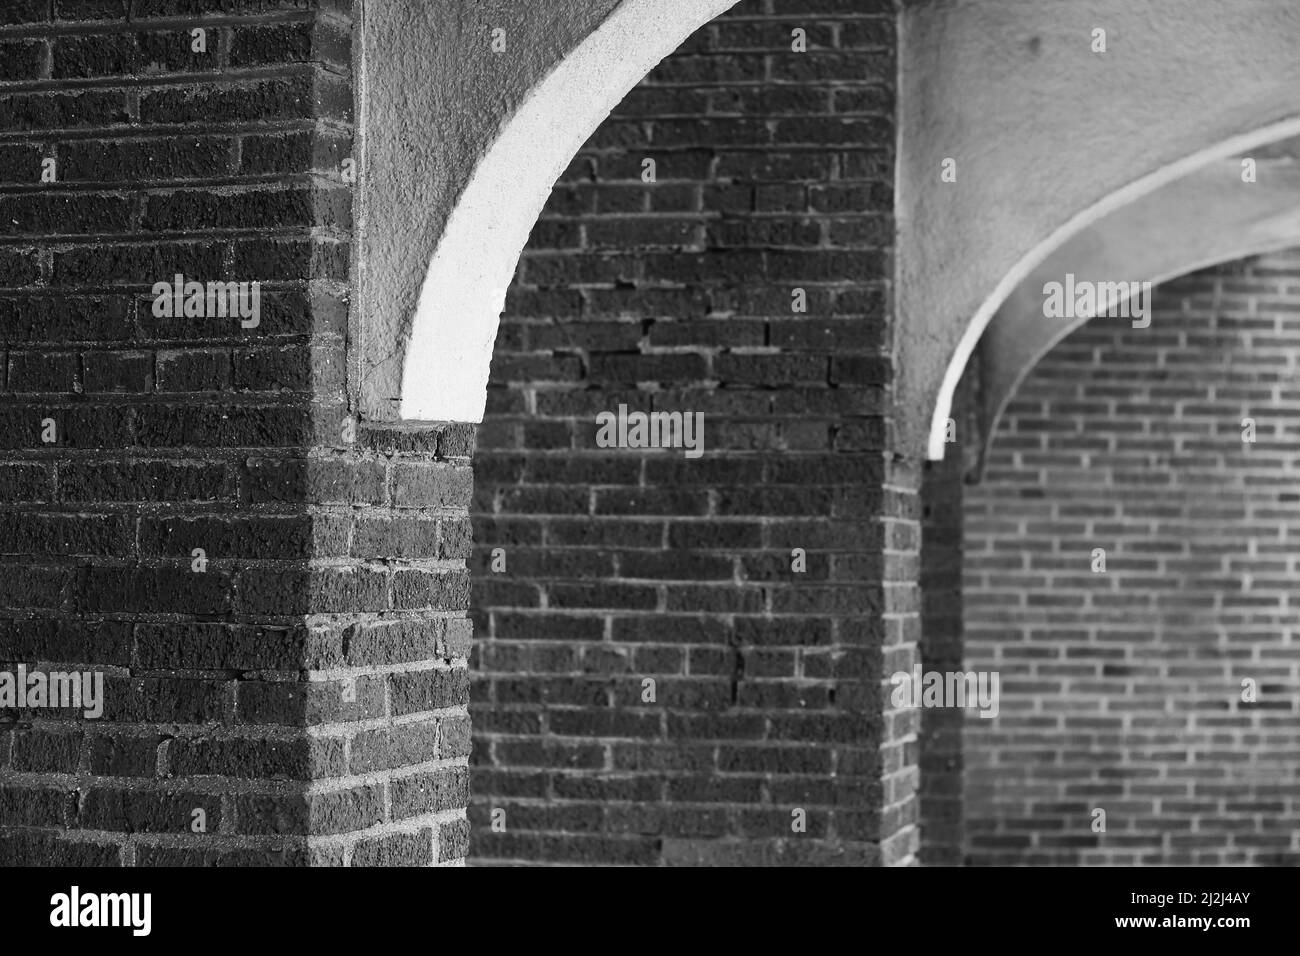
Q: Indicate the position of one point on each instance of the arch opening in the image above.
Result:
(1206, 218)
(1112, 205)
(447, 359)
(1168, 95)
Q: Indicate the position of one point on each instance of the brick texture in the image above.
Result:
(306, 687)
(773, 172)
(942, 639)
(1122, 690)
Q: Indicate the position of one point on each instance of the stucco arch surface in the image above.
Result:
(457, 180)
(1208, 217)
(433, 98)
(1050, 137)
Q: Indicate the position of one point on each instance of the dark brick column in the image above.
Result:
(773, 179)
(942, 647)
(274, 596)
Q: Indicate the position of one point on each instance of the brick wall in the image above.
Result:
(302, 680)
(773, 173)
(1122, 690)
(940, 744)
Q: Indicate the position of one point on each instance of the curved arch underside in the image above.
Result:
(1208, 217)
(462, 281)
(1178, 88)
(432, 95)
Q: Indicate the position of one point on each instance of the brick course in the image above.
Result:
(1122, 690)
(773, 173)
(942, 640)
(307, 688)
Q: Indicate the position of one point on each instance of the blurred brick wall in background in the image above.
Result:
(1122, 690)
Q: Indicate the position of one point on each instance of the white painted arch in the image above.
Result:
(1050, 137)
(448, 358)
(1206, 218)
(1023, 276)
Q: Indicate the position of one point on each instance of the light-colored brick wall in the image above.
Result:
(1123, 690)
